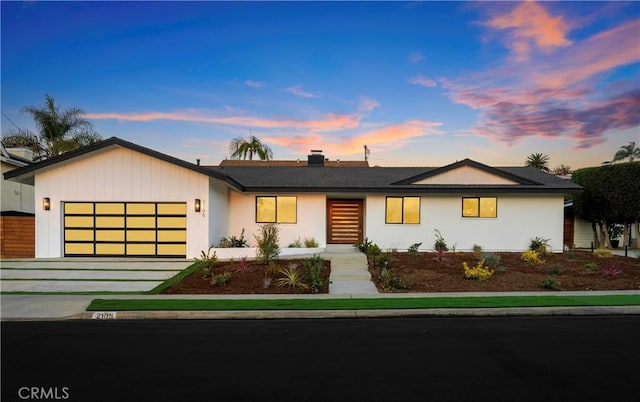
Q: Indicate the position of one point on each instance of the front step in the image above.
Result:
(350, 275)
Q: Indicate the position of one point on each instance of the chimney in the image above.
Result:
(198, 162)
(316, 158)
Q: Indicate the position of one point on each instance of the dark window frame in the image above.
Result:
(479, 215)
(275, 197)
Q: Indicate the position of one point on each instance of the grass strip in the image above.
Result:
(174, 280)
(360, 304)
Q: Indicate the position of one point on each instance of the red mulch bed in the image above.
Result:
(426, 274)
(248, 282)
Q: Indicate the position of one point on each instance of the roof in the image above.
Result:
(261, 177)
(12, 159)
(290, 163)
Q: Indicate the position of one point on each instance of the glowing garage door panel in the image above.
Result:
(84, 208)
(172, 209)
(116, 208)
(116, 249)
(178, 223)
(141, 222)
(172, 235)
(141, 249)
(110, 235)
(141, 235)
(78, 248)
(78, 221)
(172, 249)
(109, 221)
(78, 235)
(141, 209)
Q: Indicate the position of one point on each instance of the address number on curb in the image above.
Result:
(104, 315)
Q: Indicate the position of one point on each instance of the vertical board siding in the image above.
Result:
(17, 237)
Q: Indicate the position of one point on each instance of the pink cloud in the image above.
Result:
(297, 91)
(422, 81)
(530, 25)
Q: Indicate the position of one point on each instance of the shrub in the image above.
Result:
(207, 262)
(491, 259)
(531, 256)
(291, 277)
(220, 279)
(272, 269)
(539, 244)
(554, 269)
(243, 265)
(267, 239)
(612, 269)
(310, 243)
(297, 243)
(440, 244)
(232, 241)
(413, 249)
(479, 272)
(266, 281)
(591, 266)
(602, 252)
(477, 250)
(381, 260)
(550, 283)
(571, 254)
(390, 280)
(313, 272)
(364, 246)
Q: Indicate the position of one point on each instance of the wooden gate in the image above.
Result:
(344, 221)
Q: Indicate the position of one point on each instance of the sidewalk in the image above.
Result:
(62, 307)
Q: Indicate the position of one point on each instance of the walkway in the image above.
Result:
(349, 273)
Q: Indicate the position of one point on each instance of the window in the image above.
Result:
(403, 210)
(479, 207)
(276, 209)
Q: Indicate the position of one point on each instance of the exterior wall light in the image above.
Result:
(197, 205)
(46, 203)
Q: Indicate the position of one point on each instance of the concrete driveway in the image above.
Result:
(78, 275)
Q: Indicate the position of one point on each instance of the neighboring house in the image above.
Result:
(119, 198)
(17, 224)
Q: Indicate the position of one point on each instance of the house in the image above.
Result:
(116, 198)
(17, 224)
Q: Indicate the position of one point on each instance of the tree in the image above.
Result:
(562, 170)
(538, 161)
(241, 147)
(627, 151)
(58, 131)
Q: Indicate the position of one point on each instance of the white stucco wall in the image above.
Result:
(218, 209)
(519, 220)
(16, 196)
(311, 218)
(119, 174)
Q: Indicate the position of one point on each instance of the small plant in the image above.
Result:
(243, 265)
(297, 243)
(220, 279)
(554, 269)
(267, 239)
(232, 241)
(440, 244)
(491, 259)
(477, 250)
(381, 260)
(612, 269)
(313, 272)
(390, 280)
(266, 281)
(550, 283)
(571, 254)
(272, 269)
(310, 243)
(207, 262)
(531, 256)
(539, 244)
(413, 249)
(479, 272)
(602, 252)
(591, 266)
(364, 246)
(291, 277)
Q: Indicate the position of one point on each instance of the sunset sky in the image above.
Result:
(419, 83)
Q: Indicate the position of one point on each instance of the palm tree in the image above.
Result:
(627, 151)
(538, 161)
(241, 147)
(58, 132)
(562, 170)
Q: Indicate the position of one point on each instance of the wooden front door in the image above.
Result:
(344, 221)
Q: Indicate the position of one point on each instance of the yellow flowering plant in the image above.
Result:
(532, 257)
(479, 272)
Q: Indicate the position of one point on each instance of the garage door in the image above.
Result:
(136, 229)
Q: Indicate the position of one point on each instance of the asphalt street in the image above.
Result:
(595, 358)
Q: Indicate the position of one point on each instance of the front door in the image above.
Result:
(344, 221)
